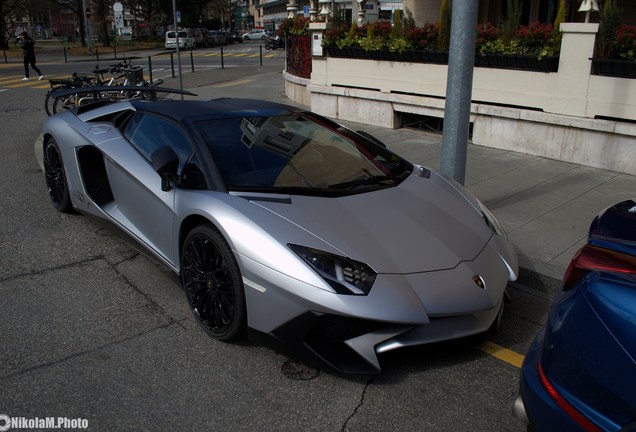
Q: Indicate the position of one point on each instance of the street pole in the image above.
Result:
(87, 22)
(176, 32)
(461, 62)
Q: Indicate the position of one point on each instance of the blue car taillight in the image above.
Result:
(594, 258)
(566, 406)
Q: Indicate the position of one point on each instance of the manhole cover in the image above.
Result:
(297, 371)
(22, 110)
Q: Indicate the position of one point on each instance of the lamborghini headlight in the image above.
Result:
(344, 275)
(491, 221)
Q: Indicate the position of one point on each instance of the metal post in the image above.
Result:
(150, 68)
(176, 29)
(65, 58)
(115, 49)
(87, 22)
(222, 60)
(260, 49)
(191, 61)
(172, 64)
(461, 61)
(97, 55)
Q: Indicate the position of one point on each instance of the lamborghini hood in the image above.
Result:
(421, 225)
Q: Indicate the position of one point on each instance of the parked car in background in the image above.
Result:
(580, 371)
(186, 41)
(233, 36)
(200, 39)
(217, 37)
(255, 34)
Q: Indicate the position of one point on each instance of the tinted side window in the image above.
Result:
(148, 133)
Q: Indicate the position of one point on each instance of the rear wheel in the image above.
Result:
(56, 177)
(213, 285)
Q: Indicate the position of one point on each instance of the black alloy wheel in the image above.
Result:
(213, 285)
(56, 177)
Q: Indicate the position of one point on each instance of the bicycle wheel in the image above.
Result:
(65, 103)
(48, 104)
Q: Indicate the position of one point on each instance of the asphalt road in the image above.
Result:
(91, 328)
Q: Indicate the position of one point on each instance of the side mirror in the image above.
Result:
(166, 162)
(371, 138)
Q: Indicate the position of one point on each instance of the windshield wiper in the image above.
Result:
(361, 182)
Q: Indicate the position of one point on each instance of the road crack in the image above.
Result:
(355, 411)
(89, 351)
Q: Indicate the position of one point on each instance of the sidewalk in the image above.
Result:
(545, 206)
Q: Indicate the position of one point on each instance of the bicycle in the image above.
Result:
(50, 106)
(123, 74)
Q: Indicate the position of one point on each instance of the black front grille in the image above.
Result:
(335, 328)
(327, 336)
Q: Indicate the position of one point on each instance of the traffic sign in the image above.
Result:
(119, 20)
(88, 12)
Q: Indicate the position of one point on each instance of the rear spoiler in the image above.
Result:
(97, 90)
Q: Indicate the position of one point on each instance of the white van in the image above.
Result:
(186, 40)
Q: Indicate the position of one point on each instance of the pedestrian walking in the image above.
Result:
(28, 49)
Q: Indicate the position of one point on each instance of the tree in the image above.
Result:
(77, 8)
(443, 39)
(9, 10)
(101, 21)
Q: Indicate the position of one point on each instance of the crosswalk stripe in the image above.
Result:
(16, 82)
(10, 78)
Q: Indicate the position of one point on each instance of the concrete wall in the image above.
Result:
(569, 115)
(424, 10)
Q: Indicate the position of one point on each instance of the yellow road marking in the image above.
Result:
(233, 83)
(16, 81)
(502, 353)
(11, 78)
(29, 83)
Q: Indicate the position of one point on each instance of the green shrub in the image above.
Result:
(399, 45)
(610, 22)
(626, 42)
(352, 39)
(444, 27)
(511, 22)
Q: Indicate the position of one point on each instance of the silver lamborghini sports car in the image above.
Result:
(286, 224)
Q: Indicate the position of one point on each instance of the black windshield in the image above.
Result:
(295, 153)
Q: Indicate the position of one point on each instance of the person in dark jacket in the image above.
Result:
(28, 49)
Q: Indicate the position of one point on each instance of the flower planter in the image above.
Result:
(614, 67)
(521, 62)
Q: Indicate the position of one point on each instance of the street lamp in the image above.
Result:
(587, 6)
(292, 9)
(361, 11)
(325, 9)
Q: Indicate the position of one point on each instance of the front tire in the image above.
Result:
(213, 284)
(55, 176)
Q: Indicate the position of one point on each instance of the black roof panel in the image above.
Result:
(217, 108)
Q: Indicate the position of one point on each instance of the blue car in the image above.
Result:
(580, 372)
